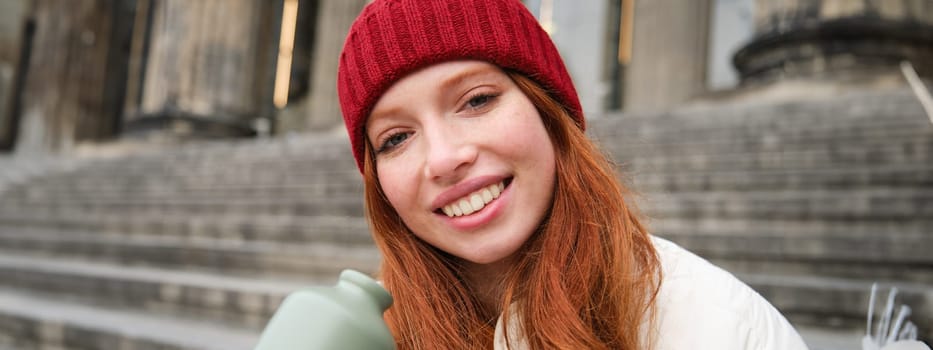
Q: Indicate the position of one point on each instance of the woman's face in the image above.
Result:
(464, 158)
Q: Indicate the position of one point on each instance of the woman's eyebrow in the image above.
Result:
(375, 115)
(446, 84)
(466, 74)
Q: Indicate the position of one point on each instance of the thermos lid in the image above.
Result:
(369, 286)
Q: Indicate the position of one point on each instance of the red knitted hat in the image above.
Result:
(392, 38)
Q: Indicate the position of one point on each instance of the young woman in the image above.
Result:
(500, 223)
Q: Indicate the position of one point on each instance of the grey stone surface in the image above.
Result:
(822, 339)
(47, 323)
(308, 260)
(347, 231)
(215, 298)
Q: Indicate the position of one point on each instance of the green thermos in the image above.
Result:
(347, 316)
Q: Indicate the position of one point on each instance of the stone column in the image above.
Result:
(207, 68)
(333, 25)
(12, 25)
(817, 37)
(73, 80)
(669, 53)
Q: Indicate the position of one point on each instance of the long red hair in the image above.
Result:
(587, 279)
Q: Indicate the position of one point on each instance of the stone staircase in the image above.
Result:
(193, 247)
(185, 248)
(808, 202)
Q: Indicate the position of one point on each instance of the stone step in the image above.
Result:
(228, 167)
(727, 157)
(215, 191)
(773, 243)
(750, 226)
(805, 205)
(284, 147)
(760, 137)
(317, 206)
(230, 257)
(884, 256)
(831, 112)
(30, 321)
(820, 338)
(16, 170)
(238, 302)
(765, 133)
(323, 154)
(899, 176)
(880, 272)
(295, 188)
(224, 164)
(225, 178)
(345, 231)
(839, 303)
(244, 151)
(260, 167)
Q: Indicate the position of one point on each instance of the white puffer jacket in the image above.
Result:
(701, 306)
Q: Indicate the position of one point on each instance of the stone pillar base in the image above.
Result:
(823, 38)
(838, 45)
(186, 126)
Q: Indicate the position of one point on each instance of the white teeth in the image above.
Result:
(487, 196)
(465, 207)
(474, 201)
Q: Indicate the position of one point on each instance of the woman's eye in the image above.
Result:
(480, 100)
(393, 141)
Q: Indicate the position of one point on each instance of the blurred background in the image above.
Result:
(171, 169)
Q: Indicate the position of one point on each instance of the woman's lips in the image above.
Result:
(463, 189)
(484, 215)
(475, 201)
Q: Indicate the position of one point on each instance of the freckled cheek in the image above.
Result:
(399, 187)
(522, 134)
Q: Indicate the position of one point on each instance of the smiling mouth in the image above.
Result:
(475, 201)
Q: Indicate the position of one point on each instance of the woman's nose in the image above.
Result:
(449, 153)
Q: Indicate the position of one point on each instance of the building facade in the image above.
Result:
(93, 71)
